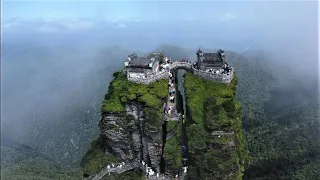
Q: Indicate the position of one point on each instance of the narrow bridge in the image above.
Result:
(181, 65)
(163, 75)
(120, 168)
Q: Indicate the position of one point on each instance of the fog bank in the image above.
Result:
(55, 72)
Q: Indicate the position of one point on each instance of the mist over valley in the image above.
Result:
(55, 74)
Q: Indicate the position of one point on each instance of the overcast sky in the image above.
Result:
(241, 20)
(56, 53)
(241, 11)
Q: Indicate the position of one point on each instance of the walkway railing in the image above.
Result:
(184, 65)
(121, 168)
(223, 78)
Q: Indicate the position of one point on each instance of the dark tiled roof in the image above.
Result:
(211, 57)
(136, 70)
(140, 62)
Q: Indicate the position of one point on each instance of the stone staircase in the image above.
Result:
(118, 169)
(129, 166)
(136, 163)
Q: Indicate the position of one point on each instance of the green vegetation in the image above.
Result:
(199, 90)
(153, 119)
(95, 159)
(197, 138)
(281, 122)
(28, 165)
(171, 125)
(213, 107)
(172, 148)
(172, 153)
(122, 91)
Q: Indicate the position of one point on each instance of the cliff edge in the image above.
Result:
(133, 129)
(216, 143)
(131, 125)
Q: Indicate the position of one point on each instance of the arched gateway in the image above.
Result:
(211, 66)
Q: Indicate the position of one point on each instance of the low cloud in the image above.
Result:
(228, 17)
(121, 25)
(47, 25)
(77, 24)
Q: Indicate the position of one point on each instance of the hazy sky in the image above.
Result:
(155, 10)
(55, 53)
(128, 10)
(242, 21)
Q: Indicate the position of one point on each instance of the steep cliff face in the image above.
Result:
(216, 143)
(172, 149)
(128, 136)
(131, 125)
(132, 129)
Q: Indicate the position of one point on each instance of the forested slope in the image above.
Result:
(281, 120)
(22, 162)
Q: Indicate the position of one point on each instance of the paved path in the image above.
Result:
(136, 164)
(117, 169)
(177, 65)
(173, 116)
(129, 166)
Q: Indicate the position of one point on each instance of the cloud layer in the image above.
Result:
(47, 25)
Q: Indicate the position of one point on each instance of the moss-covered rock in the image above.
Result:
(122, 91)
(171, 125)
(153, 119)
(172, 153)
(95, 159)
(213, 107)
(131, 115)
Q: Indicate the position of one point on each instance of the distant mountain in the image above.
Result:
(20, 163)
(58, 92)
(7, 142)
(61, 117)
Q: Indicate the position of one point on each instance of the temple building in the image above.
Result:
(141, 67)
(208, 61)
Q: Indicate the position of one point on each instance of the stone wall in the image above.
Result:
(222, 78)
(183, 65)
(150, 79)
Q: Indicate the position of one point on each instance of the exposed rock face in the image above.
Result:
(155, 149)
(125, 135)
